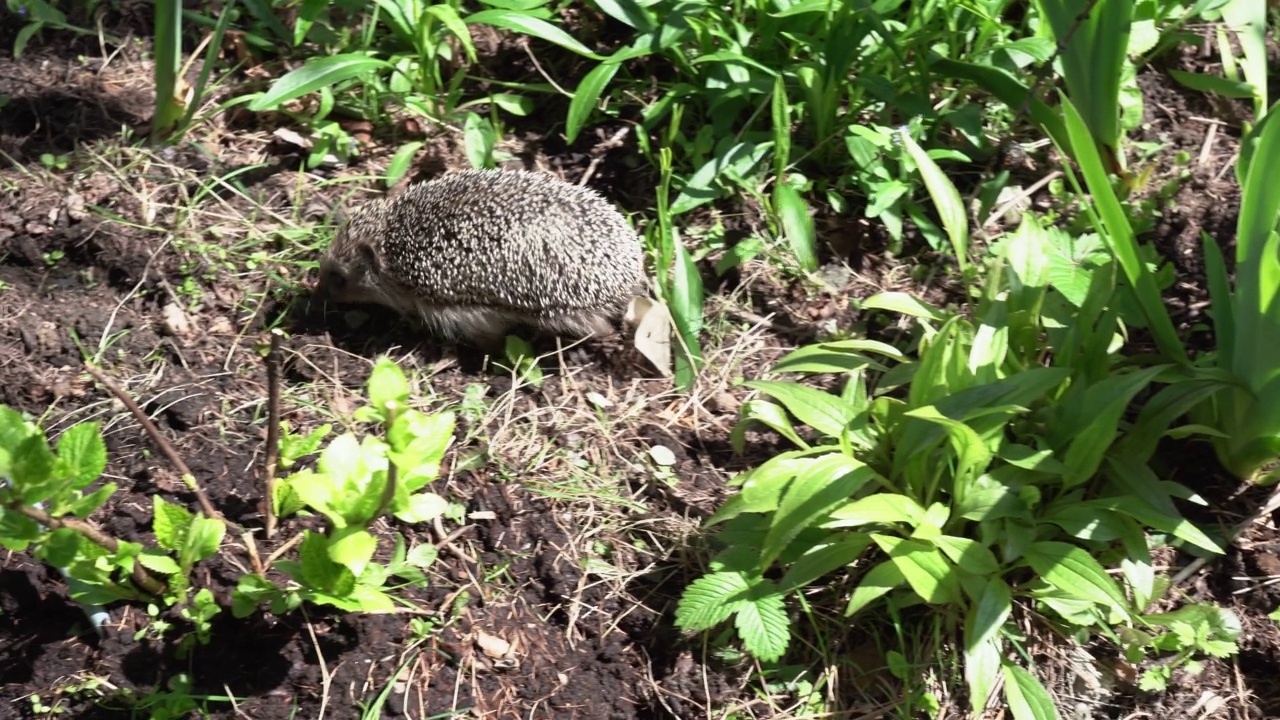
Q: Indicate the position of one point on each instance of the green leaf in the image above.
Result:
(762, 487)
(711, 599)
(586, 96)
(823, 485)
(1075, 573)
(1103, 406)
(763, 624)
(926, 570)
(969, 554)
(352, 547)
(422, 556)
(170, 523)
(316, 73)
(880, 508)
(204, 537)
(423, 507)
(156, 561)
(905, 304)
(797, 225)
(522, 23)
(449, 18)
(85, 454)
(1027, 698)
(981, 671)
(945, 198)
(772, 415)
(821, 411)
(819, 561)
(836, 357)
(878, 582)
(84, 506)
(317, 570)
(988, 615)
(31, 468)
(402, 160)
(1213, 84)
(629, 12)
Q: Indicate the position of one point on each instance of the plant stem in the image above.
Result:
(389, 490)
(273, 432)
(141, 577)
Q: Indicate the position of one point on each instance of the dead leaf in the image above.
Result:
(492, 645)
(652, 321)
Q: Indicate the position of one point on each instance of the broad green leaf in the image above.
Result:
(880, 508)
(819, 487)
(821, 411)
(711, 599)
(762, 488)
(878, 582)
(1076, 573)
(352, 547)
(837, 356)
(85, 454)
(822, 560)
(422, 556)
(1104, 405)
(981, 672)
(986, 616)
(774, 416)
(204, 537)
(156, 561)
(316, 73)
(423, 507)
(968, 554)
(797, 225)
(630, 13)
(586, 96)
(1212, 83)
(1027, 698)
(31, 469)
(83, 506)
(387, 384)
(686, 310)
(926, 570)
(449, 18)
(541, 29)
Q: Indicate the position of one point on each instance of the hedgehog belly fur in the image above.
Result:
(487, 325)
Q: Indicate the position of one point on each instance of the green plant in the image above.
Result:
(356, 481)
(996, 466)
(1233, 394)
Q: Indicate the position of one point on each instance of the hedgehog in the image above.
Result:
(474, 253)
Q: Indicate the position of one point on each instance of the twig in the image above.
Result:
(165, 446)
(282, 550)
(141, 577)
(252, 548)
(273, 432)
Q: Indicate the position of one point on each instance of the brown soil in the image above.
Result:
(91, 259)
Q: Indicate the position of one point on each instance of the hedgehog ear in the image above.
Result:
(370, 257)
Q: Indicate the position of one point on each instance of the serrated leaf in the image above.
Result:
(711, 599)
(31, 466)
(763, 625)
(84, 506)
(85, 454)
(170, 523)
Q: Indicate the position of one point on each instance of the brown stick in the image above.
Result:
(165, 446)
(141, 577)
(273, 431)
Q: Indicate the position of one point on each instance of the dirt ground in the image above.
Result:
(136, 259)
